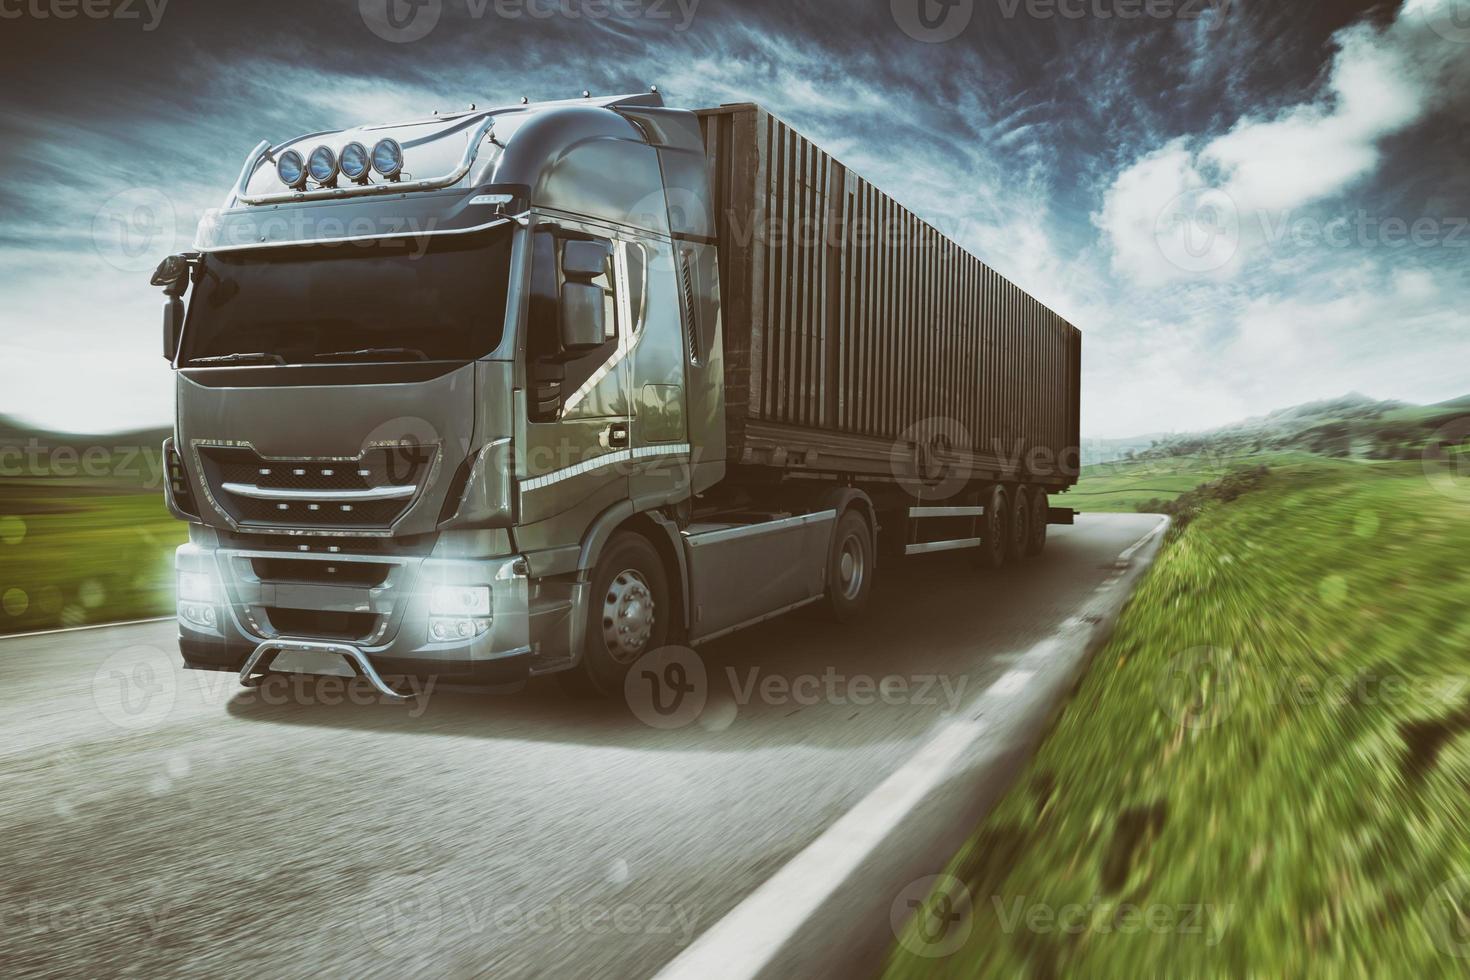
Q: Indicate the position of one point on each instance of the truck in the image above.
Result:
(550, 387)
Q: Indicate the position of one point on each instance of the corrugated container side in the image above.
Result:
(854, 329)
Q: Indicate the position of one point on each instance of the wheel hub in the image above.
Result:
(627, 616)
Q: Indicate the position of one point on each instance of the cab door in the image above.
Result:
(574, 459)
(660, 471)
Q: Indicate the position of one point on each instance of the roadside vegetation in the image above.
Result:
(84, 535)
(1265, 771)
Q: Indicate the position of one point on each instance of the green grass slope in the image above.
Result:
(1264, 773)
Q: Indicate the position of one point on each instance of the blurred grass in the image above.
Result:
(80, 551)
(1269, 757)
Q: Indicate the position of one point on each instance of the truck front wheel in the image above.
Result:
(850, 567)
(627, 616)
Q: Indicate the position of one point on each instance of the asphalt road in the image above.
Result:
(159, 822)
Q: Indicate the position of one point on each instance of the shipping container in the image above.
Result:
(858, 336)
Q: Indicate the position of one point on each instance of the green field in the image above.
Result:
(74, 552)
(1124, 487)
(1264, 773)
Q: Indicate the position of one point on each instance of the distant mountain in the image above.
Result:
(1354, 425)
(126, 460)
(1096, 451)
(16, 433)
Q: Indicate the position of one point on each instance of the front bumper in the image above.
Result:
(378, 604)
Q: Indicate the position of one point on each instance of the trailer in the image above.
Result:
(853, 328)
(587, 381)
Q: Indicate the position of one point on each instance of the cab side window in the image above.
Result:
(555, 370)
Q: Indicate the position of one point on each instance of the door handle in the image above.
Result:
(615, 436)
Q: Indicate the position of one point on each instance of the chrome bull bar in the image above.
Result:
(259, 662)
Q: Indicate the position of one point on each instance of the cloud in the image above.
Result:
(1217, 191)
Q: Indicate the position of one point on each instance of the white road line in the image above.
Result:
(749, 937)
(78, 629)
(741, 943)
(1138, 545)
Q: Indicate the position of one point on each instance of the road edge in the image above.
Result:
(952, 776)
(80, 629)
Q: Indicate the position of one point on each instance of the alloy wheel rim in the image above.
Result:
(628, 612)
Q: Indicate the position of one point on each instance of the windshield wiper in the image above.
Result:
(239, 358)
(409, 352)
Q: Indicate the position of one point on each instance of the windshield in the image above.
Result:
(440, 301)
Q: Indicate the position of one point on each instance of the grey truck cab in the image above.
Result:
(451, 401)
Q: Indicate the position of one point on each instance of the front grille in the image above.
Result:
(316, 625)
(359, 574)
(415, 547)
(379, 513)
(390, 467)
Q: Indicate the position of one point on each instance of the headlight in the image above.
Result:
(196, 587)
(450, 600)
(388, 158)
(354, 162)
(458, 612)
(323, 165)
(291, 169)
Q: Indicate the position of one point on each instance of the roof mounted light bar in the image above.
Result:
(454, 176)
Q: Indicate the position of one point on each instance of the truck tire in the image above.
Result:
(1040, 517)
(628, 615)
(850, 566)
(997, 530)
(1019, 542)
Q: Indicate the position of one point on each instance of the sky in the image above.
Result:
(1243, 205)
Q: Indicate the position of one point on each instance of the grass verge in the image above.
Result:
(72, 555)
(1264, 773)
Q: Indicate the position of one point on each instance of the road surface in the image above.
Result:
(159, 821)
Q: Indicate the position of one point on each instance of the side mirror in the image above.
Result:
(583, 327)
(172, 274)
(173, 325)
(583, 261)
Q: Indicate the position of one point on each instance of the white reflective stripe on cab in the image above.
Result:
(610, 459)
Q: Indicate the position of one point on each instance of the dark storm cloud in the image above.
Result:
(1011, 134)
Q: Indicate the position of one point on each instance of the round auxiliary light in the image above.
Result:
(354, 162)
(388, 158)
(291, 169)
(322, 165)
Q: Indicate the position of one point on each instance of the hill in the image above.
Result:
(1353, 426)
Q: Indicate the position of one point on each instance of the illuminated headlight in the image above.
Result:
(198, 614)
(445, 628)
(388, 158)
(451, 600)
(458, 612)
(355, 163)
(291, 169)
(322, 165)
(196, 587)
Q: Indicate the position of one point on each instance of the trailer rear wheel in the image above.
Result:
(850, 567)
(1019, 542)
(1040, 517)
(627, 616)
(997, 530)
